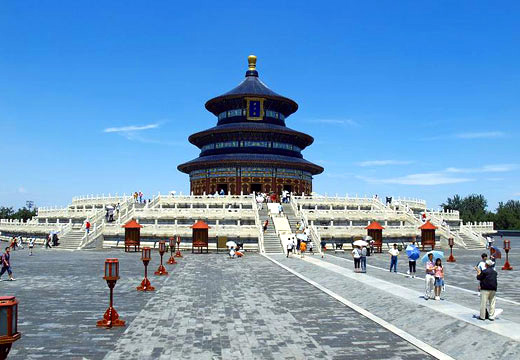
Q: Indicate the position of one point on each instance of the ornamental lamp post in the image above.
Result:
(145, 257)
(171, 260)
(451, 242)
(111, 317)
(8, 324)
(507, 247)
(178, 253)
(162, 249)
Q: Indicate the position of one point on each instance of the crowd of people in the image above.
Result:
(262, 198)
(301, 242)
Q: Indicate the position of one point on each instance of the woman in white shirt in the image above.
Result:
(356, 254)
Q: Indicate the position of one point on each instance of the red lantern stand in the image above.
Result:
(428, 235)
(178, 253)
(132, 235)
(375, 231)
(171, 260)
(451, 243)
(507, 247)
(111, 317)
(145, 284)
(162, 249)
(200, 236)
(9, 324)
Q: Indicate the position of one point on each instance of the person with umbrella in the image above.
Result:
(430, 276)
(413, 253)
(231, 245)
(356, 254)
(361, 245)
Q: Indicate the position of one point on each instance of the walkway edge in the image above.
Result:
(401, 333)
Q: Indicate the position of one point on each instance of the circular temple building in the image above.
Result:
(250, 149)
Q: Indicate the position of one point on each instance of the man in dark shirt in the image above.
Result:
(488, 289)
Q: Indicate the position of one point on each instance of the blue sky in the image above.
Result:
(403, 98)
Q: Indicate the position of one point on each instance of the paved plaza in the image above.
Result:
(256, 307)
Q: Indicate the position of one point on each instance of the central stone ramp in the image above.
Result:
(249, 308)
(453, 332)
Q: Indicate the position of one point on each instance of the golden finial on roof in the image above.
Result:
(252, 62)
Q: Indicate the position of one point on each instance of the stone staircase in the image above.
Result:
(71, 240)
(291, 217)
(471, 243)
(272, 243)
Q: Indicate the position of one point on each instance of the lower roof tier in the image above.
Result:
(249, 160)
(251, 131)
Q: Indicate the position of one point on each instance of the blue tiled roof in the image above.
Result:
(251, 126)
(252, 85)
(268, 159)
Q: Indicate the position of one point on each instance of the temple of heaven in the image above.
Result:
(250, 149)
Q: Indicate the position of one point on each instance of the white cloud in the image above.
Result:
(484, 169)
(383, 162)
(134, 133)
(516, 194)
(22, 190)
(481, 135)
(469, 135)
(130, 129)
(426, 179)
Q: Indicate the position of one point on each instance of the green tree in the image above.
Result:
(6, 212)
(507, 216)
(24, 214)
(471, 208)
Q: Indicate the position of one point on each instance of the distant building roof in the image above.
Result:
(132, 224)
(374, 225)
(252, 159)
(200, 225)
(251, 86)
(428, 226)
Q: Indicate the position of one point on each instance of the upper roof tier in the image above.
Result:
(254, 87)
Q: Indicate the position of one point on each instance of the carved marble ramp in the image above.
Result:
(249, 308)
(445, 325)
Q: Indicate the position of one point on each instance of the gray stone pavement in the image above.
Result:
(459, 339)
(62, 294)
(210, 307)
(459, 273)
(250, 308)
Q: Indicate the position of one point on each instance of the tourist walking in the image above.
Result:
(364, 259)
(6, 264)
(303, 247)
(439, 278)
(394, 253)
(289, 246)
(356, 254)
(87, 227)
(412, 262)
(266, 224)
(31, 246)
(488, 289)
(430, 277)
(140, 196)
(489, 242)
(482, 265)
(323, 245)
(311, 247)
(48, 241)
